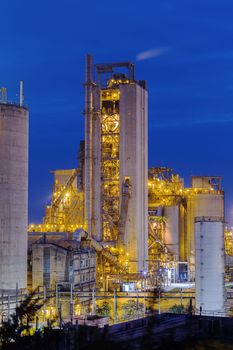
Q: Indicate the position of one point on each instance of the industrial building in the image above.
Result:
(107, 195)
(61, 262)
(13, 193)
(111, 220)
(116, 160)
(140, 221)
(55, 258)
(172, 212)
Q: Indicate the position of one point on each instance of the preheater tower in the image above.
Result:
(116, 159)
(13, 196)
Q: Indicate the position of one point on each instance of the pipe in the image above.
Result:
(88, 143)
(21, 94)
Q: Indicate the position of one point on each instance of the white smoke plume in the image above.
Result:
(152, 53)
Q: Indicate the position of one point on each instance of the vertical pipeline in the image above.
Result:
(88, 143)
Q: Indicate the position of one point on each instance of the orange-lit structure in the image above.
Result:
(140, 221)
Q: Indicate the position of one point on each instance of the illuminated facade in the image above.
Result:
(116, 161)
(140, 222)
(65, 213)
(172, 212)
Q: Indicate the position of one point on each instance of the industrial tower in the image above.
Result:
(13, 193)
(116, 160)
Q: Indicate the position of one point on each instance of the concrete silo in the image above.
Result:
(205, 198)
(13, 196)
(210, 265)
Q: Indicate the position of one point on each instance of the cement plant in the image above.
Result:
(115, 230)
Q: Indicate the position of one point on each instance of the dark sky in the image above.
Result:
(183, 48)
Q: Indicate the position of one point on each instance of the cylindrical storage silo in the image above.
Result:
(200, 204)
(13, 196)
(210, 265)
(172, 229)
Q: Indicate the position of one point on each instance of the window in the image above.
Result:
(46, 267)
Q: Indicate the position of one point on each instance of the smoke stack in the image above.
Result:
(21, 95)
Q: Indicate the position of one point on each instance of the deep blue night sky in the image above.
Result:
(184, 49)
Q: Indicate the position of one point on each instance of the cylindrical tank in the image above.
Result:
(200, 204)
(210, 265)
(172, 229)
(13, 196)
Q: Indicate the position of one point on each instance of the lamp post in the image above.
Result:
(93, 301)
(115, 306)
(159, 302)
(71, 303)
(44, 306)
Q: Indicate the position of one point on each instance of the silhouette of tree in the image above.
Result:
(104, 309)
(132, 310)
(177, 309)
(12, 330)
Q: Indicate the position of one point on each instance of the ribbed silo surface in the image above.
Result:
(210, 265)
(200, 205)
(13, 196)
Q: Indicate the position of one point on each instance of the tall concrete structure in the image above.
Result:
(210, 265)
(13, 196)
(116, 160)
(207, 200)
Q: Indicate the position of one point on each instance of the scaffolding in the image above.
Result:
(164, 187)
(229, 242)
(110, 163)
(65, 213)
